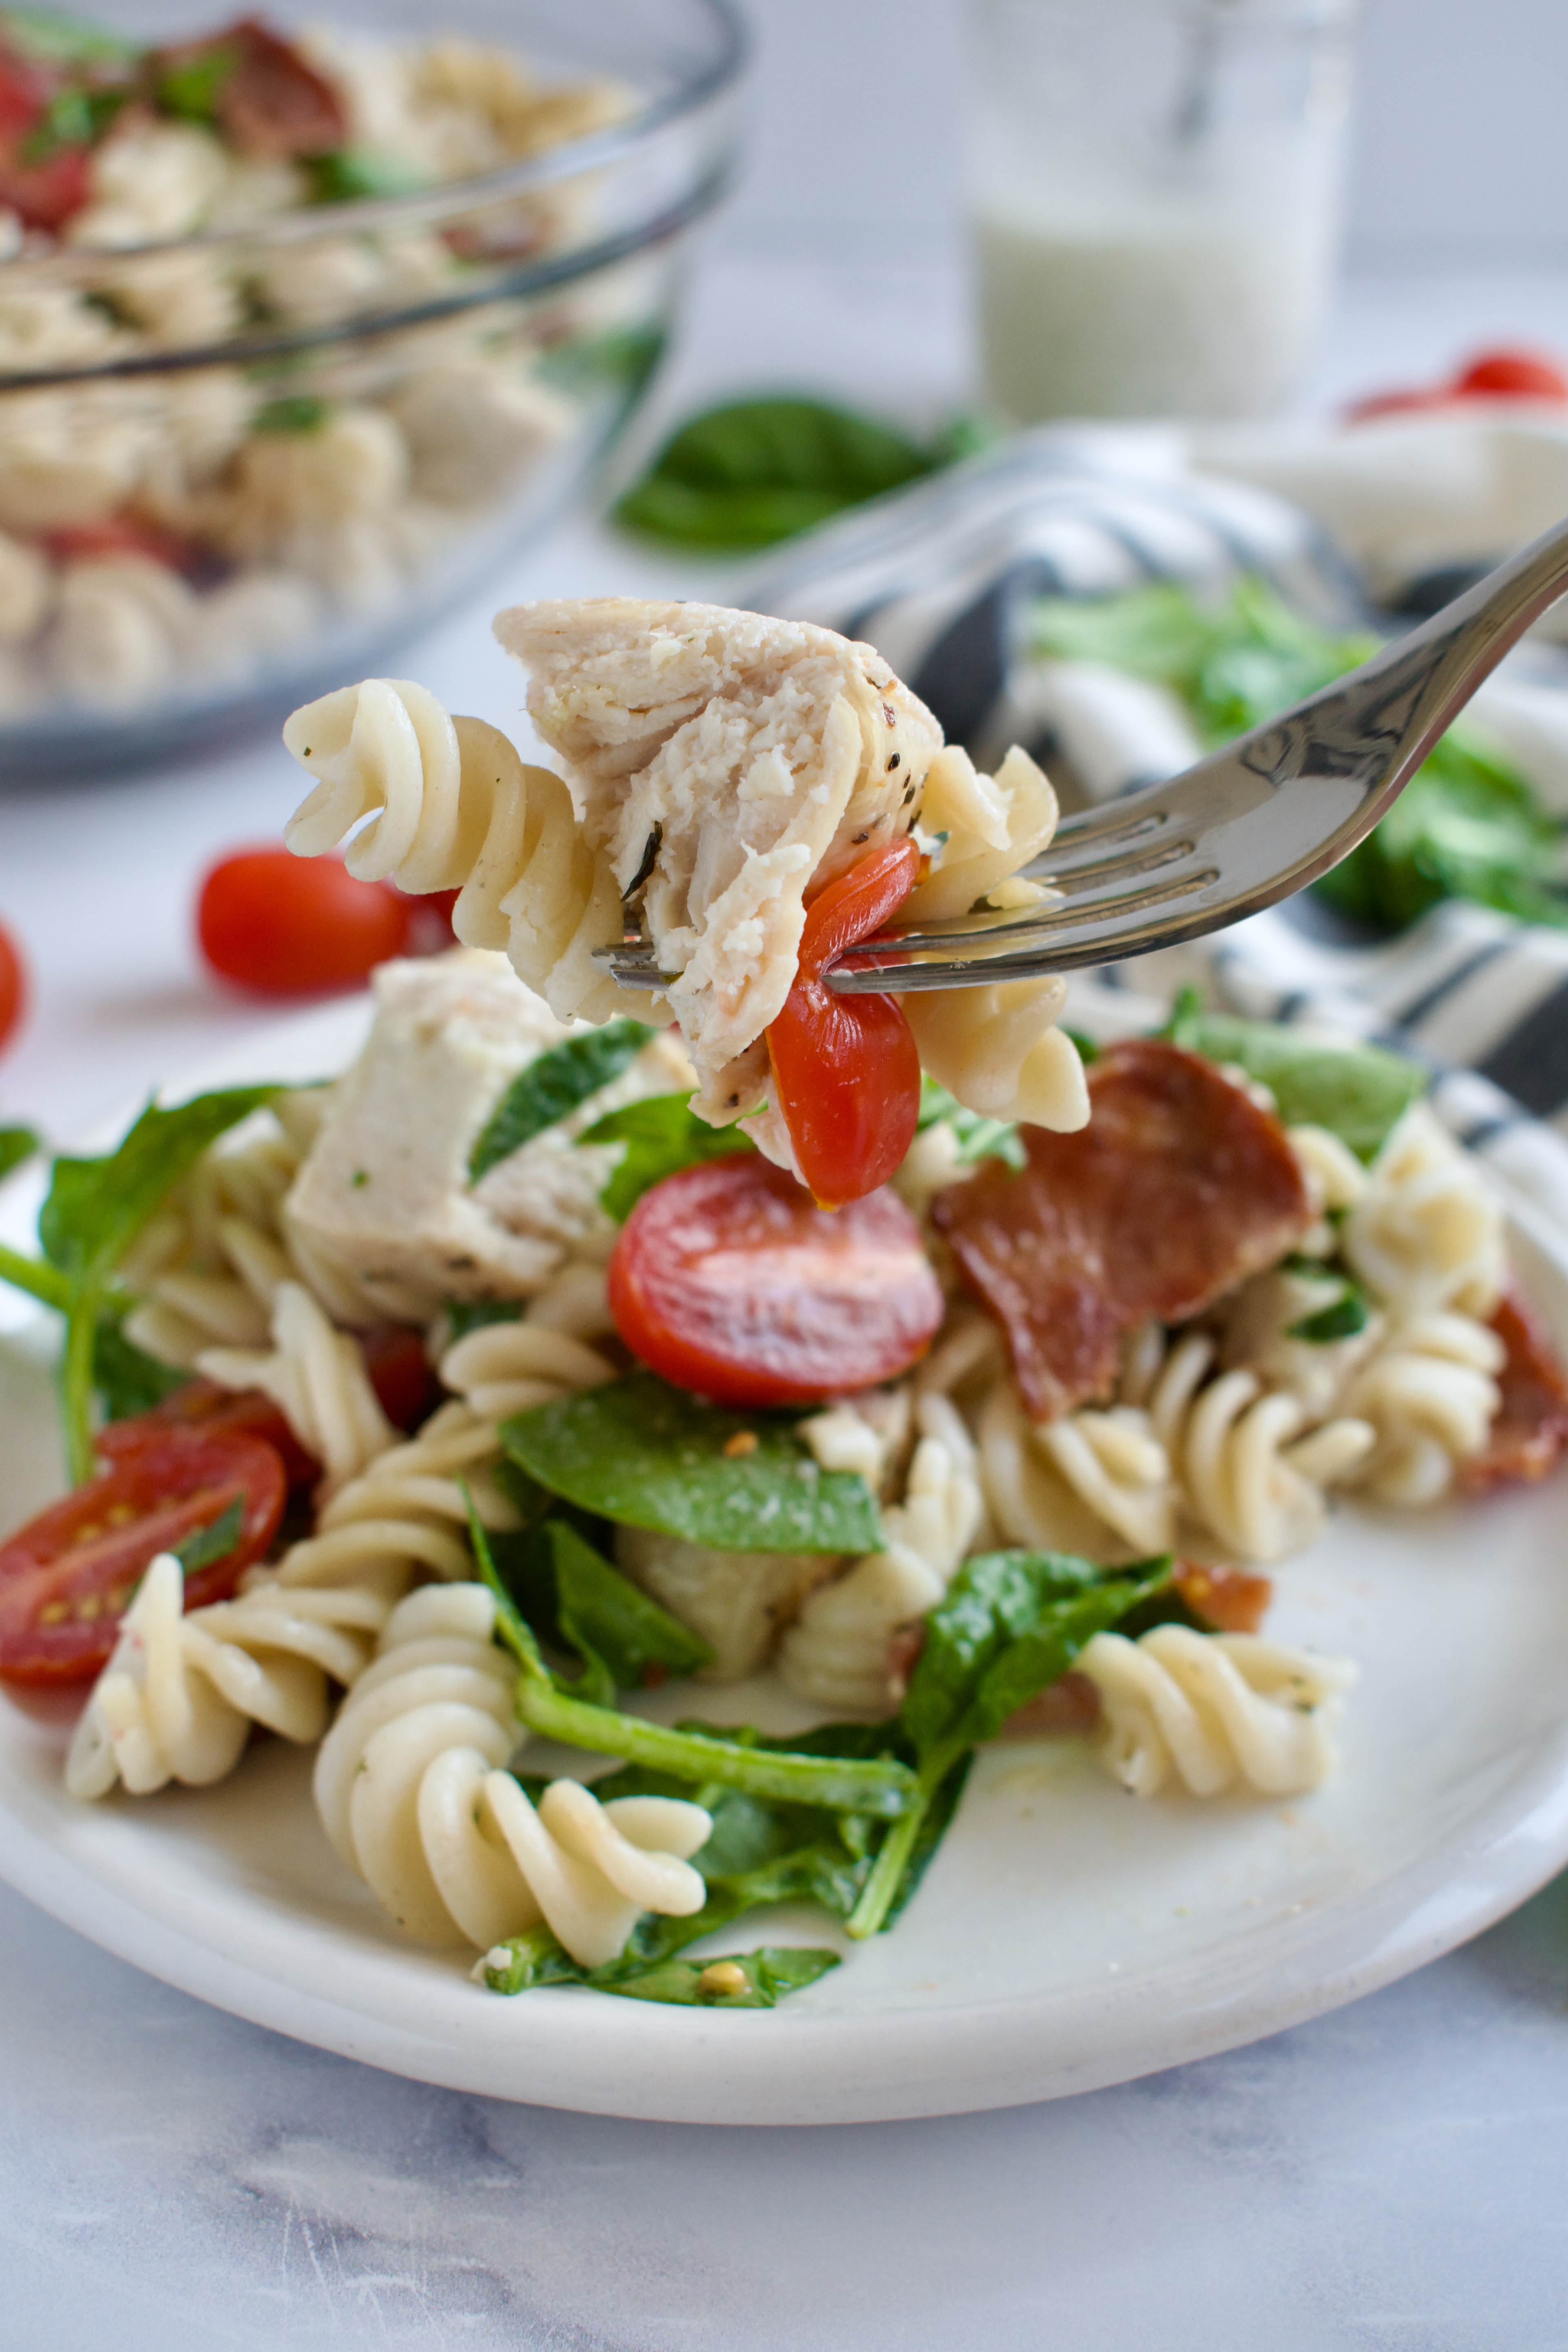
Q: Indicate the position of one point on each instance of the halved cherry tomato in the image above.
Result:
(286, 926)
(847, 1068)
(728, 1280)
(13, 984)
(1511, 375)
(80, 542)
(67, 1578)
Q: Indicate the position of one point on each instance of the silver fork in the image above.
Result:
(1237, 832)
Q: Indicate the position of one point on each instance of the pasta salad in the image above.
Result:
(501, 1378)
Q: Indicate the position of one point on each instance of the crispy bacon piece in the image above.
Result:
(267, 99)
(1531, 1426)
(1177, 1190)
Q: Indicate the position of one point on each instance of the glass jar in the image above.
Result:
(1153, 193)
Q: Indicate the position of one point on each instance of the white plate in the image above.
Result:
(1066, 1936)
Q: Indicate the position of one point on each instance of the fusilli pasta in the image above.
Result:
(1430, 1394)
(1426, 1232)
(1208, 1710)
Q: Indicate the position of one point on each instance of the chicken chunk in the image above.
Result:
(384, 1192)
(723, 762)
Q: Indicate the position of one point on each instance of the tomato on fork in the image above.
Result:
(67, 1577)
(847, 1068)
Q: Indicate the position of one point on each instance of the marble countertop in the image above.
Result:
(1387, 2178)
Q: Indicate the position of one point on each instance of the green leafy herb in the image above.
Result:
(1468, 824)
(758, 1979)
(623, 360)
(1343, 1318)
(1358, 1092)
(190, 85)
(978, 1138)
(353, 175)
(126, 1380)
(17, 1144)
(73, 118)
(466, 1314)
(56, 39)
(552, 1085)
(853, 1785)
(94, 1210)
(215, 1542)
(649, 1455)
(754, 471)
(1010, 1623)
(297, 412)
(623, 1636)
(662, 1134)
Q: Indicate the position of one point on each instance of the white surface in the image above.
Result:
(1064, 1937)
(1386, 2179)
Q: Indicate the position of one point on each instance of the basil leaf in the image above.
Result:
(17, 1144)
(1358, 1092)
(552, 1085)
(1009, 1624)
(127, 1381)
(604, 1616)
(754, 471)
(1341, 1319)
(649, 1455)
(215, 1542)
(978, 1138)
(97, 1207)
(662, 1135)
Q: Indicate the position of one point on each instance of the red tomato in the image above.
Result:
(13, 984)
(68, 1576)
(204, 1407)
(44, 195)
(286, 926)
(121, 535)
(1393, 404)
(847, 1068)
(1511, 375)
(400, 1374)
(728, 1280)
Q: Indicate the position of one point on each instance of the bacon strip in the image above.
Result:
(1177, 1190)
(1531, 1426)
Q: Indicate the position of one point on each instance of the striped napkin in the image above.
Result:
(939, 579)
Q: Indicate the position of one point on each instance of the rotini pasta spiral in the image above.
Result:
(1207, 1710)
(1030, 1485)
(1426, 1232)
(315, 1377)
(453, 807)
(998, 1052)
(1430, 1393)
(837, 1654)
(178, 1696)
(411, 1793)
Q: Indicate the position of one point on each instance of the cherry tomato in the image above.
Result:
(44, 195)
(728, 1280)
(121, 535)
(400, 1372)
(286, 926)
(204, 1407)
(13, 984)
(67, 1578)
(847, 1068)
(1511, 375)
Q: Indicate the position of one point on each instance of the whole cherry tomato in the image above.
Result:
(847, 1068)
(67, 1578)
(728, 1280)
(286, 926)
(13, 984)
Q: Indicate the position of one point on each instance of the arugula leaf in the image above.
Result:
(754, 471)
(17, 1144)
(94, 1210)
(1358, 1092)
(349, 174)
(649, 1455)
(662, 1134)
(214, 1542)
(552, 1085)
(125, 1379)
(978, 1138)
(852, 1785)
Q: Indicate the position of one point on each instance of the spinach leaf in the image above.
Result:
(649, 1455)
(1343, 1318)
(758, 1979)
(297, 412)
(604, 1617)
(978, 1138)
(190, 85)
(466, 1314)
(348, 174)
(94, 1210)
(61, 40)
(125, 1379)
(662, 1134)
(552, 1085)
(754, 471)
(17, 1144)
(215, 1542)
(1358, 1092)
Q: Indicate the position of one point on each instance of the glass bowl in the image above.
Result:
(239, 466)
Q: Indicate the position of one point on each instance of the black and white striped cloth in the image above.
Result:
(939, 577)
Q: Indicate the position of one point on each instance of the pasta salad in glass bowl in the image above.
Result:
(594, 1356)
(302, 327)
